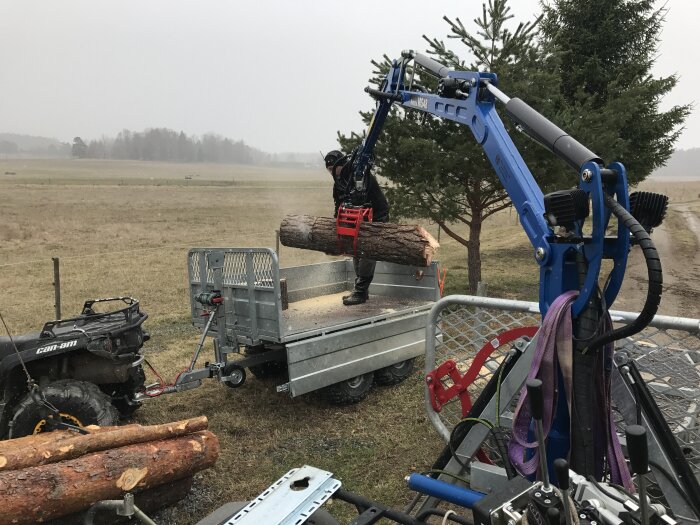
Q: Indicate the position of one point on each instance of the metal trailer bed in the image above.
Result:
(324, 342)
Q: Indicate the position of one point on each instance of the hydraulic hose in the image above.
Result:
(655, 276)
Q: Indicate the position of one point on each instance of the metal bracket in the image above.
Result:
(290, 500)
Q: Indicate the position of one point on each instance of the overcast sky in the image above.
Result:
(283, 75)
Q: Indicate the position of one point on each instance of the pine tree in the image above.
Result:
(606, 50)
(436, 169)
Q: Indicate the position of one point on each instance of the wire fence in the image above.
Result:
(157, 276)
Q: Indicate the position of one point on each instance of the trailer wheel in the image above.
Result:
(79, 403)
(237, 374)
(349, 391)
(394, 374)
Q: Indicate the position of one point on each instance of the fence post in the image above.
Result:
(57, 286)
(439, 228)
(277, 242)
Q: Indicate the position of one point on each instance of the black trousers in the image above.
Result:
(364, 268)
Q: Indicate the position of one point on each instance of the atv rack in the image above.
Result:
(90, 321)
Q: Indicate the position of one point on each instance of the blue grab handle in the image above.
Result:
(444, 491)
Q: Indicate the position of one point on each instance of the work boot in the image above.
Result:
(355, 298)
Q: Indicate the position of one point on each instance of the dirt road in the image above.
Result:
(678, 243)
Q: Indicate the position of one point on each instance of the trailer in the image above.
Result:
(291, 322)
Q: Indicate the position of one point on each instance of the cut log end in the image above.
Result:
(130, 478)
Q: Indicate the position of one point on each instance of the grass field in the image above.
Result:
(124, 228)
(127, 229)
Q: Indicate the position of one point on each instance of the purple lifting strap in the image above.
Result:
(555, 348)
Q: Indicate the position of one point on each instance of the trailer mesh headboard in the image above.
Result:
(249, 284)
(234, 271)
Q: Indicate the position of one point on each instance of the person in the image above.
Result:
(341, 170)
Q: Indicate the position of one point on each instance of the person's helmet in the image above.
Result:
(333, 157)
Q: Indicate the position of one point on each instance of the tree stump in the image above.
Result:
(410, 245)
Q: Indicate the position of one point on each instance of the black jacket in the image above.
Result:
(375, 196)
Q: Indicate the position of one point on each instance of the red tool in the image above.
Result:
(439, 395)
(348, 223)
(448, 371)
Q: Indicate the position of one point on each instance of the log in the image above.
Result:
(51, 447)
(37, 494)
(55, 436)
(382, 241)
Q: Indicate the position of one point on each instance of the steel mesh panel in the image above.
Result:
(197, 261)
(462, 332)
(194, 264)
(234, 271)
(668, 360)
(236, 267)
(669, 363)
(262, 268)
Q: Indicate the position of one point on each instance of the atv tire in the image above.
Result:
(394, 374)
(80, 403)
(350, 391)
(238, 372)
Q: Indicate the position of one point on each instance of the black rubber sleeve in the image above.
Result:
(655, 276)
(377, 94)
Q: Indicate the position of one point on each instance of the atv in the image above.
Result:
(87, 368)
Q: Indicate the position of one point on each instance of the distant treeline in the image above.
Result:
(163, 144)
(15, 145)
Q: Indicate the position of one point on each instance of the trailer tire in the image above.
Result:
(238, 372)
(80, 403)
(394, 374)
(350, 391)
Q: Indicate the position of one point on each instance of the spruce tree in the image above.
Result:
(606, 50)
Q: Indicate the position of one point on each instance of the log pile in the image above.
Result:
(382, 241)
(55, 474)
